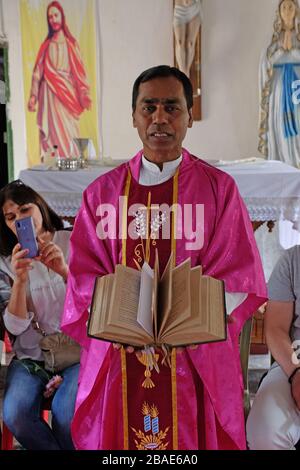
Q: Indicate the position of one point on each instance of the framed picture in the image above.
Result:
(60, 76)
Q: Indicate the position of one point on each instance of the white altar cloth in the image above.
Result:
(270, 189)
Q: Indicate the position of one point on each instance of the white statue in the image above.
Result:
(279, 132)
(186, 22)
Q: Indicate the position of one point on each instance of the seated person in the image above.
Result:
(274, 420)
(37, 292)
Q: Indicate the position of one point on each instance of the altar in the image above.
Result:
(270, 189)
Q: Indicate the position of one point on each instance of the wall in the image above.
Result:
(235, 33)
(15, 109)
(136, 34)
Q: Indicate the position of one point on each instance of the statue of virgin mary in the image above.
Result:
(279, 131)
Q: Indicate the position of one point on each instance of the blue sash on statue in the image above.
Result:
(290, 125)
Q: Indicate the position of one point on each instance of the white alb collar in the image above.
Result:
(168, 167)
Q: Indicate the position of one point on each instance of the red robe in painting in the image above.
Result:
(60, 84)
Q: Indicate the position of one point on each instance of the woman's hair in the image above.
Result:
(21, 194)
(64, 24)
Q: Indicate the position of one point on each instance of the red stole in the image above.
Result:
(150, 414)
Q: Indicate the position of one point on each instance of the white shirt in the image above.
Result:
(151, 175)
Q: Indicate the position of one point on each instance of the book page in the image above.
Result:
(144, 314)
(185, 332)
(154, 296)
(107, 298)
(96, 306)
(126, 293)
(100, 303)
(181, 301)
(214, 297)
(164, 303)
(114, 308)
(124, 336)
(207, 320)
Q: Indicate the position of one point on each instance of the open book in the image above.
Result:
(139, 308)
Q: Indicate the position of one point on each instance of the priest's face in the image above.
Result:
(162, 118)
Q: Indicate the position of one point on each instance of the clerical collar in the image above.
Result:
(150, 173)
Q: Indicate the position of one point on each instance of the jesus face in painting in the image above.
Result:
(55, 19)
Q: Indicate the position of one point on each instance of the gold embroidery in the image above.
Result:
(174, 216)
(147, 228)
(148, 221)
(146, 359)
(174, 399)
(138, 253)
(124, 217)
(124, 398)
(152, 438)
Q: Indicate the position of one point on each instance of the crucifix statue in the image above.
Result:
(187, 20)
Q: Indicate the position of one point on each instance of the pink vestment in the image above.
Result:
(229, 253)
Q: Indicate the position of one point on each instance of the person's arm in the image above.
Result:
(17, 304)
(5, 290)
(21, 266)
(16, 316)
(278, 320)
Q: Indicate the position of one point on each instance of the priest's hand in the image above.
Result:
(129, 349)
(191, 347)
(231, 319)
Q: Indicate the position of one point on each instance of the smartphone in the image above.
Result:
(27, 236)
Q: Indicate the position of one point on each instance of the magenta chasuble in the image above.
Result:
(198, 402)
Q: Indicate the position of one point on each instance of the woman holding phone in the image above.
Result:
(37, 295)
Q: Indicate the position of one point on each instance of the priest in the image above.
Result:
(195, 401)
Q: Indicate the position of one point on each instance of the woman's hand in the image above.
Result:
(20, 265)
(52, 257)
